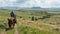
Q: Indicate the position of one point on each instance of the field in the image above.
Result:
(32, 21)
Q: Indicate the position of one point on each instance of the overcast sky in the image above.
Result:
(30, 3)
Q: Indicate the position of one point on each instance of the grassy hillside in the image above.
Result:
(44, 22)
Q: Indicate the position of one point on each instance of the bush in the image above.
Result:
(20, 16)
(57, 29)
(47, 16)
(36, 19)
(32, 18)
(2, 25)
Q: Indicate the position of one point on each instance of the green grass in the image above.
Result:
(11, 31)
(4, 14)
(1, 30)
(31, 30)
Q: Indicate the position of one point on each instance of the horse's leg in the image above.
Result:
(9, 25)
(13, 25)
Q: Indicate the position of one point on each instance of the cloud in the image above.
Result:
(4, 3)
(30, 3)
(42, 3)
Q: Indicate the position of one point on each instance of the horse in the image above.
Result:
(11, 22)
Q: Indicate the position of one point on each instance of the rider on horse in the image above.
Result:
(11, 20)
(13, 15)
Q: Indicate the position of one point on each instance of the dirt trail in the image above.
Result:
(15, 29)
(3, 32)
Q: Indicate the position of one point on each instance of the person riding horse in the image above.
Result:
(12, 20)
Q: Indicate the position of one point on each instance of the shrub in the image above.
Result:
(57, 29)
(20, 16)
(32, 18)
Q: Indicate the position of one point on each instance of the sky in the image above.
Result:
(30, 3)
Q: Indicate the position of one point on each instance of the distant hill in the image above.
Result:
(32, 8)
(39, 8)
(36, 7)
(51, 8)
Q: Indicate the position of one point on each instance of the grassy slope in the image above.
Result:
(36, 27)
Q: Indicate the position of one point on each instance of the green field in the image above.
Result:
(43, 22)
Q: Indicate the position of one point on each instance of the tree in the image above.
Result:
(32, 18)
